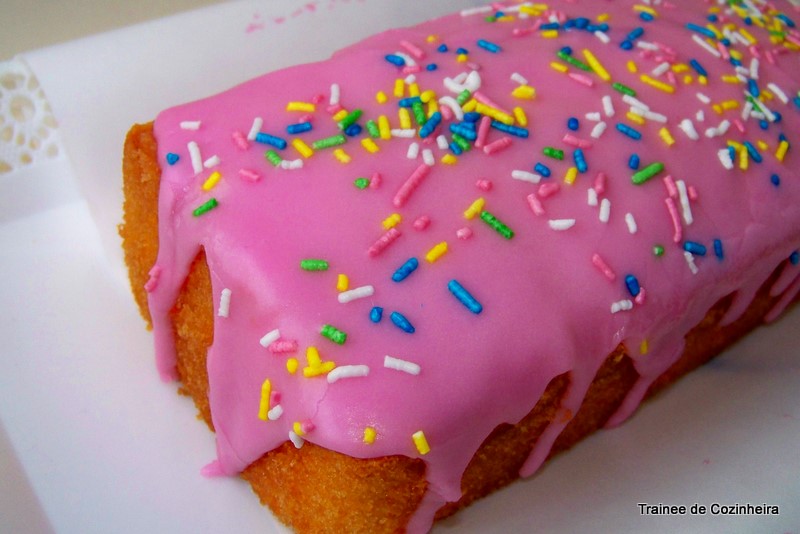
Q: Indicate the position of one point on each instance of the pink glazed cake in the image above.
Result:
(399, 279)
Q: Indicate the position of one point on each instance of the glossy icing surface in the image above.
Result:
(559, 272)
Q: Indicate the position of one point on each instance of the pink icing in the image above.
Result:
(546, 300)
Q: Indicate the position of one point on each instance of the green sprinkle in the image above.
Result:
(328, 142)
(334, 334)
(491, 18)
(373, 129)
(361, 183)
(462, 142)
(314, 265)
(205, 207)
(497, 225)
(463, 96)
(573, 61)
(551, 152)
(624, 89)
(658, 251)
(273, 157)
(648, 172)
(419, 113)
(350, 119)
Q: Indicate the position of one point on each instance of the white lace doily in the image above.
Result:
(28, 130)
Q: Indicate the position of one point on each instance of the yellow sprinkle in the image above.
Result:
(596, 66)
(644, 348)
(449, 159)
(342, 113)
(369, 435)
(729, 78)
(305, 150)
(313, 357)
(717, 108)
(462, 58)
(520, 116)
(762, 145)
(549, 34)
(433, 107)
(341, 155)
(661, 86)
(494, 113)
(767, 95)
(714, 29)
(420, 442)
(783, 148)
(413, 90)
(470, 105)
(316, 366)
(297, 428)
(436, 252)
(405, 118)
(688, 79)
(730, 104)
(603, 17)
(736, 146)
(666, 136)
(381, 97)
(571, 176)
(530, 10)
(369, 145)
(505, 18)
(638, 119)
(301, 106)
(263, 407)
(399, 88)
(632, 66)
(525, 92)
(342, 282)
(428, 96)
(432, 38)
(391, 221)
(677, 68)
(645, 9)
(212, 181)
(735, 54)
(703, 80)
(291, 365)
(560, 67)
(475, 208)
(384, 128)
(744, 159)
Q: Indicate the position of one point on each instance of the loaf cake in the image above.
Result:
(399, 279)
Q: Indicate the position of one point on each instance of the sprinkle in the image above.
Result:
(401, 322)
(647, 173)
(561, 224)
(303, 148)
(628, 131)
(497, 225)
(421, 223)
(190, 125)
(526, 176)
(369, 435)
(196, 158)
(631, 223)
(224, 303)
(347, 371)
(783, 148)
(376, 314)
(684, 200)
(273, 157)
(301, 106)
(296, 440)
(596, 66)
(314, 265)
(291, 365)
(489, 46)
(690, 262)
(622, 305)
(391, 221)
(718, 252)
(384, 241)
(464, 297)
(405, 270)
(571, 175)
(212, 181)
(632, 284)
(436, 252)
(354, 294)
(263, 408)
(172, 158)
(598, 130)
(269, 338)
(605, 210)
(676, 221)
(410, 185)
(420, 442)
(397, 364)
(207, 206)
(328, 142)
(666, 136)
(598, 262)
(694, 248)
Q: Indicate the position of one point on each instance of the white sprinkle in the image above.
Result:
(778, 92)
(650, 115)
(719, 130)
(605, 210)
(356, 293)
(410, 79)
(197, 159)
(754, 64)
(710, 49)
(403, 134)
(451, 103)
(275, 413)
(291, 164)
(401, 365)
(594, 116)
(526, 176)
(473, 81)
(703, 98)
(644, 45)
(690, 262)
(602, 36)
(258, 122)
(519, 78)
(476, 10)
(270, 338)
(428, 157)
(441, 142)
(461, 77)
(747, 110)
(213, 161)
(598, 130)
(662, 68)
(410, 62)
(622, 305)
(725, 158)
(634, 102)
(413, 151)
(296, 440)
(700, 115)
(591, 197)
(561, 224)
(347, 371)
(687, 126)
(631, 222)
(335, 94)
(608, 106)
(190, 125)
(452, 85)
(684, 198)
(769, 114)
(224, 303)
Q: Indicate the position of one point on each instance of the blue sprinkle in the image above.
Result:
(464, 297)
(405, 270)
(695, 248)
(456, 149)
(271, 140)
(634, 161)
(782, 137)
(513, 130)
(581, 23)
(628, 131)
(489, 46)
(542, 169)
(462, 51)
(633, 285)
(635, 34)
(603, 27)
(789, 22)
(712, 18)
(626, 45)
(428, 128)
(408, 102)
(725, 41)
(402, 323)
(464, 131)
(794, 257)
(752, 86)
(172, 158)
(580, 160)
(353, 130)
(778, 116)
(647, 17)
(472, 116)
(567, 50)
(300, 127)
(718, 252)
(573, 124)
(732, 153)
(550, 26)
(376, 314)
(796, 101)
(748, 21)
(775, 179)
(442, 48)
(754, 154)
(431, 67)
(763, 124)
(698, 67)
(570, 24)
(736, 62)
(699, 29)
(395, 60)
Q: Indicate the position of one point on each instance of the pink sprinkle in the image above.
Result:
(723, 50)
(384, 241)
(576, 141)
(755, 51)
(422, 222)
(316, 99)
(375, 181)
(676, 220)
(535, 204)
(274, 398)
(497, 146)
(484, 184)
(334, 109)
(410, 185)
(640, 298)
(411, 69)
(464, 233)
(672, 189)
(249, 175)
(739, 125)
(483, 130)
(692, 192)
(240, 140)
(548, 189)
(283, 346)
(770, 57)
(447, 113)
(600, 183)
(671, 78)
(485, 100)
(308, 117)
(600, 263)
(412, 49)
(581, 79)
(307, 426)
(152, 283)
